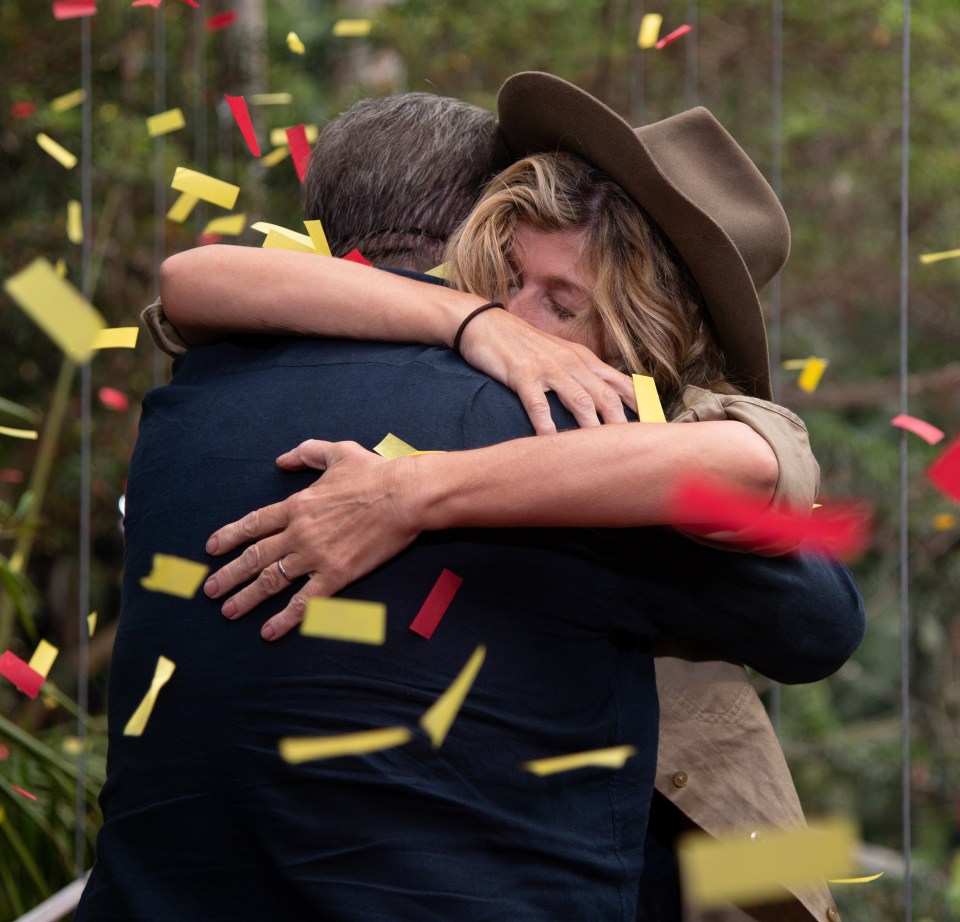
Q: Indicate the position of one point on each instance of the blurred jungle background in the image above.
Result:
(838, 155)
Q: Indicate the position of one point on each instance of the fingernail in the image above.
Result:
(267, 632)
(229, 609)
(212, 544)
(210, 587)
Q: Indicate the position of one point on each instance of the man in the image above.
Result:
(203, 819)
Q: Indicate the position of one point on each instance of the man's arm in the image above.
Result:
(794, 619)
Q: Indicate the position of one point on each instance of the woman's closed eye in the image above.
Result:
(559, 311)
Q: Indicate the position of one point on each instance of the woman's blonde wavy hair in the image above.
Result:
(650, 308)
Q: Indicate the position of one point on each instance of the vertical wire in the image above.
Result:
(904, 474)
(691, 49)
(83, 589)
(776, 320)
(201, 115)
(637, 75)
(159, 179)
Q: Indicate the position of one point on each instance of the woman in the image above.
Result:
(568, 250)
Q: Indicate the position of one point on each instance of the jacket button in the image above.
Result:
(680, 780)
(833, 914)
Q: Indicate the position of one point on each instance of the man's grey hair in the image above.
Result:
(393, 177)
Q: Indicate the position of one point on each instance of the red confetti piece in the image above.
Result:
(9, 475)
(436, 604)
(673, 36)
(23, 793)
(238, 106)
(192, 3)
(153, 3)
(299, 149)
(944, 473)
(27, 679)
(842, 529)
(22, 109)
(206, 239)
(930, 434)
(114, 399)
(220, 21)
(74, 9)
(4, 753)
(355, 256)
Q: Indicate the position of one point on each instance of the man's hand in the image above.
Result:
(531, 362)
(345, 525)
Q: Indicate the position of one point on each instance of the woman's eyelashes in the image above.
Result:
(560, 312)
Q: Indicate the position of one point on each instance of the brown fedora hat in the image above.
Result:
(693, 179)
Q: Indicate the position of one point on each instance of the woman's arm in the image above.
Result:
(217, 290)
(365, 510)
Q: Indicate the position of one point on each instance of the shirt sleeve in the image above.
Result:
(164, 334)
(798, 482)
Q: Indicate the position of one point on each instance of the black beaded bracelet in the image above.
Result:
(468, 318)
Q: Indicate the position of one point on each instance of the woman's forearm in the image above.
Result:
(211, 291)
(612, 476)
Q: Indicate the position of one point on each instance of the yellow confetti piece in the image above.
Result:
(813, 369)
(72, 746)
(855, 880)
(165, 122)
(57, 307)
(57, 151)
(352, 28)
(43, 658)
(205, 187)
(755, 867)
(68, 101)
(60, 268)
(649, 30)
(614, 757)
(91, 623)
(391, 447)
(49, 702)
(138, 722)
(345, 619)
(276, 239)
(74, 222)
(181, 209)
(649, 408)
(318, 237)
(230, 225)
(275, 156)
(944, 521)
(440, 716)
(28, 434)
(927, 258)
(441, 272)
(117, 338)
(294, 43)
(309, 748)
(175, 576)
(270, 99)
(278, 136)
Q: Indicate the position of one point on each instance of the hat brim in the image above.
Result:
(541, 113)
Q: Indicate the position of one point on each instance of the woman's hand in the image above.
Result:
(354, 518)
(531, 362)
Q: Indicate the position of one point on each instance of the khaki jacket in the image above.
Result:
(718, 758)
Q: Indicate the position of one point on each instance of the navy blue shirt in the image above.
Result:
(202, 818)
